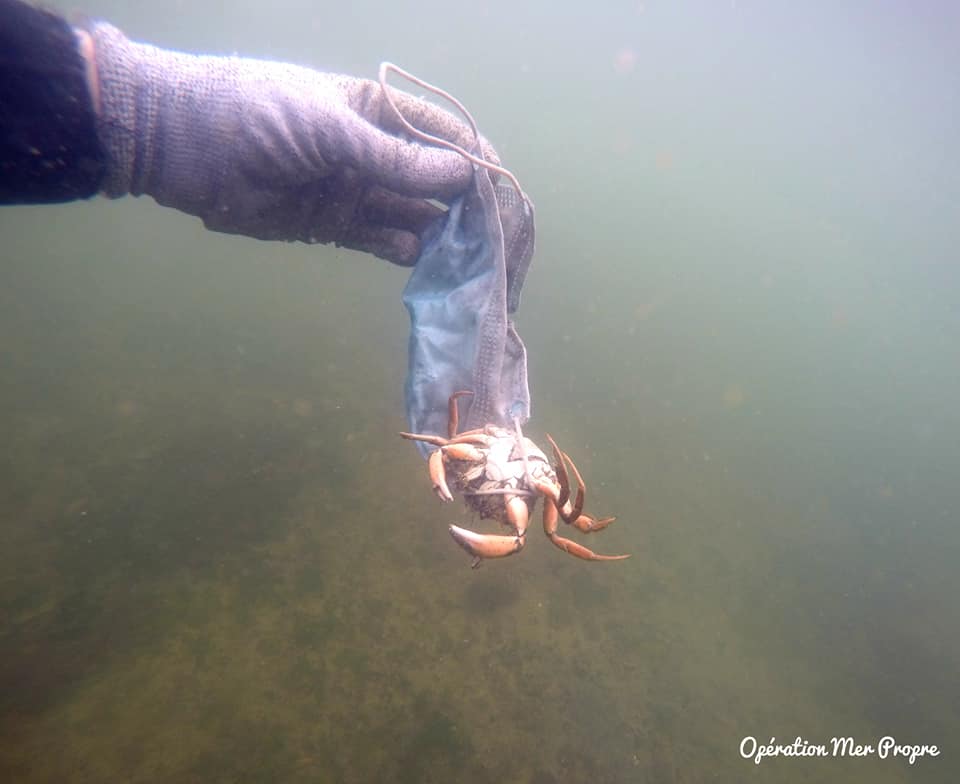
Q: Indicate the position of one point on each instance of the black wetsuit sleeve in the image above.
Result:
(49, 151)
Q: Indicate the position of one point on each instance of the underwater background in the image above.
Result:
(219, 563)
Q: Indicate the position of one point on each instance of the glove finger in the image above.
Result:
(389, 226)
(395, 245)
(404, 167)
(382, 208)
(430, 118)
(442, 173)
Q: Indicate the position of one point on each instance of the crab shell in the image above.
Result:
(499, 468)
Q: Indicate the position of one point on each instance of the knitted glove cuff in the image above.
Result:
(164, 120)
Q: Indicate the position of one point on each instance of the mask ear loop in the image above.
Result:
(439, 141)
(385, 68)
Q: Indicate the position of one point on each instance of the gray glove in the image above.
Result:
(273, 151)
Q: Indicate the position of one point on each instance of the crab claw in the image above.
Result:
(438, 476)
(482, 546)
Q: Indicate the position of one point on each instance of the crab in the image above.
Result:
(501, 474)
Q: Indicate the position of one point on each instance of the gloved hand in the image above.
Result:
(271, 150)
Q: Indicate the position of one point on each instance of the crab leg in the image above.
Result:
(550, 517)
(457, 450)
(460, 448)
(584, 522)
(561, 469)
(574, 514)
(518, 514)
(427, 439)
(453, 420)
(470, 437)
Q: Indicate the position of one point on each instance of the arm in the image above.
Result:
(49, 148)
(265, 149)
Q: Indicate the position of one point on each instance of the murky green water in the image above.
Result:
(218, 562)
